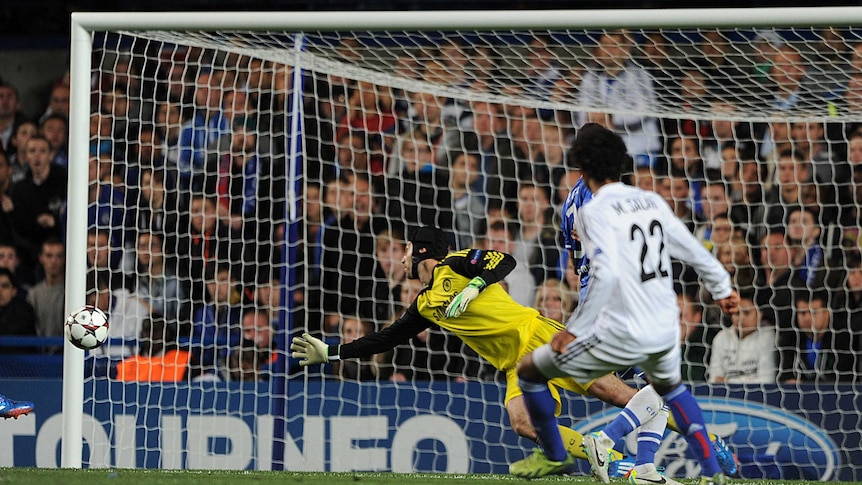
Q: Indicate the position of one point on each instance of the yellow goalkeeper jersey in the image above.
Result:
(494, 325)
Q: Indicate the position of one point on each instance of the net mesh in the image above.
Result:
(750, 135)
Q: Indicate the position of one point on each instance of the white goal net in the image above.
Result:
(249, 184)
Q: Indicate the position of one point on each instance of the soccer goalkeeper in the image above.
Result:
(461, 296)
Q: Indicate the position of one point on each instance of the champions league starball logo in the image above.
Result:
(769, 442)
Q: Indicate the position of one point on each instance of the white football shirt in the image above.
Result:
(630, 236)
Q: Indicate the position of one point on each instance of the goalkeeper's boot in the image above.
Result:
(726, 458)
(717, 479)
(13, 409)
(648, 474)
(538, 465)
(597, 447)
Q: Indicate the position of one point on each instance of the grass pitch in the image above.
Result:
(42, 476)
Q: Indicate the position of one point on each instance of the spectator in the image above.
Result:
(215, 322)
(685, 162)
(125, 311)
(58, 102)
(39, 199)
(643, 177)
(55, 129)
(101, 256)
(159, 358)
(427, 114)
(17, 153)
(554, 300)
(11, 260)
(157, 282)
(723, 130)
(851, 284)
(721, 62)
(775, 280)
(714, 202)
(468, 205)
(731, 157)
(828, 173)
(114, 105)
(716, 233)
(785, 89)
(106, 208)
(266, 296)
(352, 154)
(806, 234)
(750, 211)
(101, 142)
(616, 84)
(199, 136)
(495, 148)
(256, 326)
(48, 296)
(734, 255)
(10, 115)
(745, 352)
(347, 258)
(521, 284)
(820, 346)
(145, 153)
(389, 274)
(695, 337)
(419, 195)
(543, 70)
(536, 243)
(678, 190)
(829, 61)
(204, 240)
(538, 151)
(245, 362)
(16, 315)
(792, 173)
(169, 123)
(369, 109)
(306, 293)
(776, 140)
(249, 188)
(350, 329)
(157, 208)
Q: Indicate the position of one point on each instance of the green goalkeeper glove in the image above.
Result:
(310, 349)
(462, 299)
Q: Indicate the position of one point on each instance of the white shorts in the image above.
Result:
(587, 358)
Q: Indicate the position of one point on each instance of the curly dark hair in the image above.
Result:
(600, 153)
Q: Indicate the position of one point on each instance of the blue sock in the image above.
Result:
(542, 408)
(622, 425)
(650, 434)
(648, 443)
(689, 420)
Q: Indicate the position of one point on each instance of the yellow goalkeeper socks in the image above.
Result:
(572, 441)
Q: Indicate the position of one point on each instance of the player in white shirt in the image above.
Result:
(630, 315)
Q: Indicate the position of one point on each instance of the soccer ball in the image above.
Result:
(87, 327)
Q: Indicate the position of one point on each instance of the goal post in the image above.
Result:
(360, 123)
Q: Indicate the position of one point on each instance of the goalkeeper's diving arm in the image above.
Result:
(311, 350)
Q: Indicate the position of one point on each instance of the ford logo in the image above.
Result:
(769, 442)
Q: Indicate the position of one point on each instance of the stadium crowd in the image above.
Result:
(189, 241)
